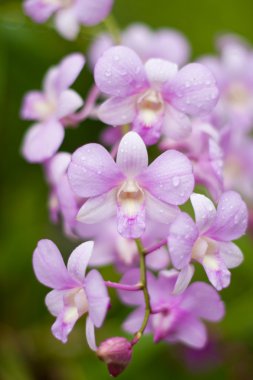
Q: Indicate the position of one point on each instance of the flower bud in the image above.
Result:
(116, 353)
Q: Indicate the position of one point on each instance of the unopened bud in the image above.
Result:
(116, 353)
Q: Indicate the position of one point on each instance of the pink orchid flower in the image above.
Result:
(49, 108)
(74, 293)
(68, 14)
(130, 188)
(174, 317)
(209, 240)
(156, 97)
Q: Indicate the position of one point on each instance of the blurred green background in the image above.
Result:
(27, 349)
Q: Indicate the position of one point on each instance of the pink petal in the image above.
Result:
(193, 90)
(118, 111)
(42, 141)
(158, 260)
(169, 178)
(64, 323)
(120, 72)
(133, 322)
(202, 300)
(191, 332)
(132, 157)
(92, 171)
(92, 12)
(66, 23)
(98, 209)
(57, 166)
(184, 279)
(182, 235)
(55, 301)
(90, 334)
(176, 125)
(103, 254)
(39, 10)
(79, 260)
(167, 279)
(131, 226)
(159, 71)
(68, 102)
(231, 219)
(230, 254)
(204, 210)
(69, 69)
(49, 266)
(98, 298)
(171, 45)
(216, 271)
(159, 211)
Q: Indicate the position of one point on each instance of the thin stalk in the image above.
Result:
(130, 288)
(113, 29)
(143, 280)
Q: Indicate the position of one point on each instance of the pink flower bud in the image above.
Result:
(116, 353)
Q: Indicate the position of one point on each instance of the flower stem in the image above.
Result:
(143, 270)
(130, 288)
(154, 248)
(113, 28)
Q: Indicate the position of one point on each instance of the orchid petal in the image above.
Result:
(160, 71)
(42, 141)
(90, 334)
(202, 300)
(92, 171)
(69, 102)
(216, 271)
(66, 23)
(68, 70)
(193, 90)
(79, 260)
(231, 218)
(118, 111)
(97, 296)
(92, 12)
(169, 178)
(176, 125)
(204, 210)
(182, 235)
(98, 209)
(49, 266)
(120, 72)
(159, 211)
(132, 157)
(184, 279)
(230, 254)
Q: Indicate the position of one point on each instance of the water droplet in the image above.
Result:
(176, 181)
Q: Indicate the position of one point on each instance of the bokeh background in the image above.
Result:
(27, 349)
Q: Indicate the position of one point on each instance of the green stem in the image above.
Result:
(113, 28)
(143, 280)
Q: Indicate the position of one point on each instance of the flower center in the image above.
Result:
(77, 299)
(45, 109)
(150, 107)
(130, 197)
(203, 247)
(238, 95)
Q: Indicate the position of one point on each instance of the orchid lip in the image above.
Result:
(150, 106)
(203, 247)
(130, 197)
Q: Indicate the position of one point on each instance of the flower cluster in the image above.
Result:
(125, 200)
